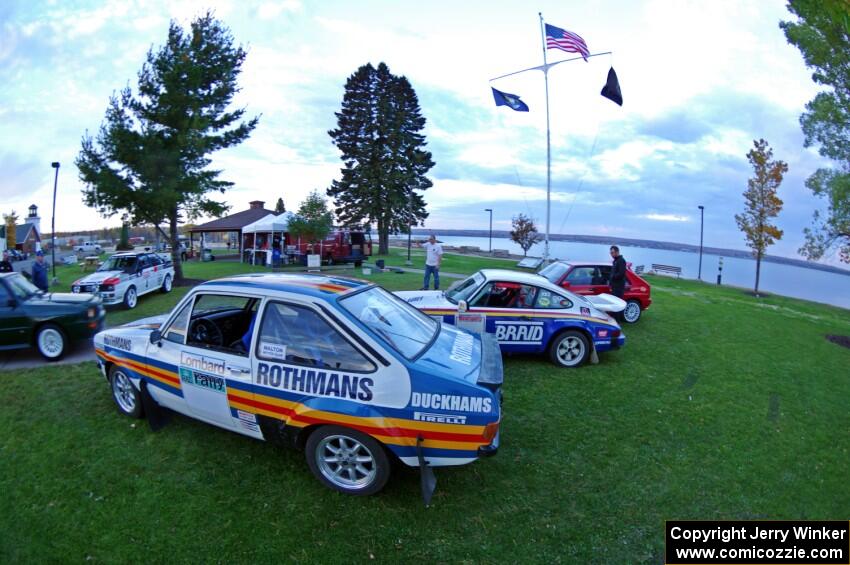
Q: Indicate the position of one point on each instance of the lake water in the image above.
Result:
(786, 280)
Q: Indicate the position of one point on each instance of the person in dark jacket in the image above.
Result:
(5, 264)
(618, 273)
(39, 272)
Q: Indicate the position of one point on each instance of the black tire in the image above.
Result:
(570, 349)
(51, 342)
(631, 314)
(166, 284)
(126, 397)
(365, 456)
(131, 298)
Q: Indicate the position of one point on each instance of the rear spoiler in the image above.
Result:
(607, 302)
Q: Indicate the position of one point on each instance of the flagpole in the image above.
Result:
(548, 142)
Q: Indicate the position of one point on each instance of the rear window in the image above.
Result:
(554, 272)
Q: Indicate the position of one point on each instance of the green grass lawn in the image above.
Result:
(720, 406)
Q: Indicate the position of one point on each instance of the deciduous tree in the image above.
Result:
(383, 152)
(822, 34)
(11, 221)
(313, 221)
(524, 232)
(761, 202)
(151, 155)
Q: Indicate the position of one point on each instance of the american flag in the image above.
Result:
(557, 38)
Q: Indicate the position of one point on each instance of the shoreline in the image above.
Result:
(647, 244)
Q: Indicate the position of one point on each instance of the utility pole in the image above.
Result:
(55, 165)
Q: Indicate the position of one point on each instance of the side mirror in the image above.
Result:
(462, 306)
(156, 336)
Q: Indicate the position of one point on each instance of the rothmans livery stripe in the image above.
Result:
(391, 431)
(517, 314)
(166, 380)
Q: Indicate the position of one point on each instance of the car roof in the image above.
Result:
(505, 275)
(317, 286)
(584, 263)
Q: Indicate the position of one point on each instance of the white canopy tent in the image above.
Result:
(270, 224)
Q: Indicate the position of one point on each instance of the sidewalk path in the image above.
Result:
(30, 359)
(422, 272)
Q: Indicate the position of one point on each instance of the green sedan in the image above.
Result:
(47, 321)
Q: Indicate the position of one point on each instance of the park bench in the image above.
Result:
(667, 269)
(638, 270)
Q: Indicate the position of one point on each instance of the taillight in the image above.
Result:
(615, 334)
(490, 431)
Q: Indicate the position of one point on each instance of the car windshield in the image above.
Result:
(463, 290)
(119, 263)
(554, 272)
(21, 287)
(402, 326)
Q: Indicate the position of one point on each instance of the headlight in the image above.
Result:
(75, 289)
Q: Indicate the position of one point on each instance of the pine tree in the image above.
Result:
(279, 208)
(762, 203)
(383, 153)
(150, 157)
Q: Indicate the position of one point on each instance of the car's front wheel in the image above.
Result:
(166, 284)
(131, 298)
(347, 460)
(632, 312)
(125, 395)
(51, 342)
(569, 349)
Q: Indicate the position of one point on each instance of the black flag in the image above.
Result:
(611, 90)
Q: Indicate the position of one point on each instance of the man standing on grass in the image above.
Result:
(618, 274)
(433, 258)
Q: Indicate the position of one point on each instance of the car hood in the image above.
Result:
(426, 299)
(100, 276)
(51, 298)
(152, 322)
(455, 354)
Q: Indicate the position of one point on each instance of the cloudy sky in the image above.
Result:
(700, 80)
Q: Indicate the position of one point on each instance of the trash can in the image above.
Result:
(379, 264)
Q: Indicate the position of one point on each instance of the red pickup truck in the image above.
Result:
(340, 246)
(592, 278)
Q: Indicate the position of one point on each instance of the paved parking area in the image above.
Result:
(29, 358)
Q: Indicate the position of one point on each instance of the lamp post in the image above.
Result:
(701, 215)
(491, 229)
(55, 165)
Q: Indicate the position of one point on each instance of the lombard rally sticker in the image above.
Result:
(519, 332)
(197, 370)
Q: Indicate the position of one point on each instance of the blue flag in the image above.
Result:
(512, 101)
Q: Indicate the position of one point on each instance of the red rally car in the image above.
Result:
(584, 277)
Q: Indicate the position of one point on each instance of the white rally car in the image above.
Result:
(125, 276)
(337, 367)
(527, 314)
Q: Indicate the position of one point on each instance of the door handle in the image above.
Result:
(241, 370)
